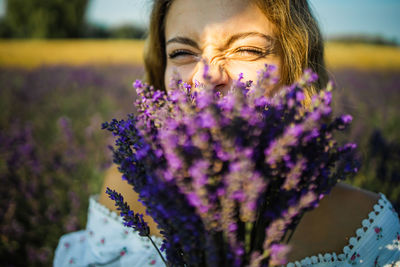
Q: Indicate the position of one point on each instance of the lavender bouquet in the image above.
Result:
(227, 178)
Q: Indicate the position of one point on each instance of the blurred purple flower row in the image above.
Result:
(373, 98)
(53, 152)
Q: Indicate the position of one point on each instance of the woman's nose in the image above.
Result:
(212, 74)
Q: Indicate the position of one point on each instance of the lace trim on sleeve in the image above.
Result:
(382, 205)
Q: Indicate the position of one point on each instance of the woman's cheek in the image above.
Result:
(233, 68)
(185, 73)
(167, 78)
(249, 69)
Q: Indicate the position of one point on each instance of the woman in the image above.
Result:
(234, 36)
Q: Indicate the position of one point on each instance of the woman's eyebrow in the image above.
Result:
(230, 41)
(183, 40)
(243, 35)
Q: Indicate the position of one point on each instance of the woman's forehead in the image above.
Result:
(215, 20)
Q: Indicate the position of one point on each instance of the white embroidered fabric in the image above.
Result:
(376, 243)
(107, 242)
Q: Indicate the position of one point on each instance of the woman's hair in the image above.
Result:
(297, 34)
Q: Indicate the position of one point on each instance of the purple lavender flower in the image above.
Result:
(206, 72)
(278, 254)
(347, 119)
(242, 167)
(138, 84)
(131, 219)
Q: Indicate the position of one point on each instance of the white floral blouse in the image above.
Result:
(106, 242)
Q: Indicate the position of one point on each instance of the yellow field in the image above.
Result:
(362, 56)
(33, 53)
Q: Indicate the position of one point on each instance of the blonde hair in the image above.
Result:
(298, 36)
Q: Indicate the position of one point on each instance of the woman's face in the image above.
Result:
(231, 36)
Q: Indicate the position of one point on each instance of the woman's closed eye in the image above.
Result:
(246, 53)
(180, 53)
(252, 53)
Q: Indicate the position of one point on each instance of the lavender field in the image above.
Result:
(372, 97)
(53, 154)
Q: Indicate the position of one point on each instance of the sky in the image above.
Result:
(336, 17)
(116, 12)
(375, 17)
